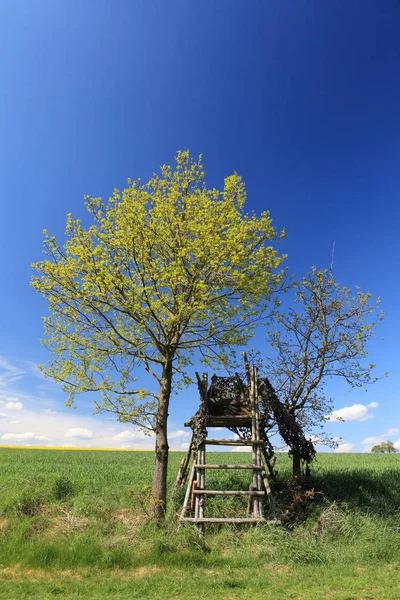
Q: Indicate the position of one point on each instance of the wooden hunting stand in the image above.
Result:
(227, 403)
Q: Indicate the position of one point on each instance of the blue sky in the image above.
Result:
(301, 98)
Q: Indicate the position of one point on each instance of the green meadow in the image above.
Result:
(74, 524)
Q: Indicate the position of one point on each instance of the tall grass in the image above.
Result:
(65, 509)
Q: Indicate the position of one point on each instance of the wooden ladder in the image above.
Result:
(259, 490)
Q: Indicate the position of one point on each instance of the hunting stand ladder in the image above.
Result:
(234, 407)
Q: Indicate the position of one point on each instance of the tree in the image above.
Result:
(166, 269)
(323, 334)
(384, 448)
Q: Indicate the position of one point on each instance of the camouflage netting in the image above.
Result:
(290, 431)
(229, 396)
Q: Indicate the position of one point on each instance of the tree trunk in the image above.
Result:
(296, 464)
(161, 448)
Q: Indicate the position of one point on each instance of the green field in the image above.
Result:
(73, 524)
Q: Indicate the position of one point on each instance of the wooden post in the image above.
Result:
(269, 493)
(183, 469)
(186, 502)
(201, 460)
(261, 499)
(250, 501)
(202, 487)
(270, 464)
(193, 496)
(199, 498)
(257, 511)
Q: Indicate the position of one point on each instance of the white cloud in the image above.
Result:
(24, 437)
(180, 433)
(242, 449)
(41, 415)
(397, 445)
(9, 373)
(138, 439)
(130, 435)
(377, 439)
(370, 441)
(79, 433)
(14, 405)
(344, 447)
(356, 412)
(373, 405)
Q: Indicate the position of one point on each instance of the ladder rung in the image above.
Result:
(234, 442)
(229, 492)
(229, 520)
(250, 467)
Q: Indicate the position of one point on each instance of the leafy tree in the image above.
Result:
(323, 334)
(166, 269)
(384, 448)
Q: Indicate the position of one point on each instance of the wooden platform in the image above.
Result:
(227, 421)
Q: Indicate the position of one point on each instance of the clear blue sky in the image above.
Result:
(301, 98)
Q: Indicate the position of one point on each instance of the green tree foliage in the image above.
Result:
(166, 269)
(324, 333)
(384, 448)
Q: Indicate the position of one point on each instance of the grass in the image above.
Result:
(73, 524)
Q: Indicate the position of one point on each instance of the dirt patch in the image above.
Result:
(139, 573)
(129, 518)
(145, 571)
(15, 573)
(212, 573)
(391, 567)
(280, 569)
(3, 525)
(62, 521)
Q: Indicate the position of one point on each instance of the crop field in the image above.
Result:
(74, 524)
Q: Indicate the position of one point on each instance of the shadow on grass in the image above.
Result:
(374, 493)
(378, 494)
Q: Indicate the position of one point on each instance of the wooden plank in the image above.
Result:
(188, 492)
(209, 466)
(230, 520)
(269, 493)
(193, 497)
(270, 464)
(225, 421)
(201, 474)
(257, 512)
(196, 499)
(230, 492)
(261, 501)
(183, 470)
(233, 442)
(249, 508)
